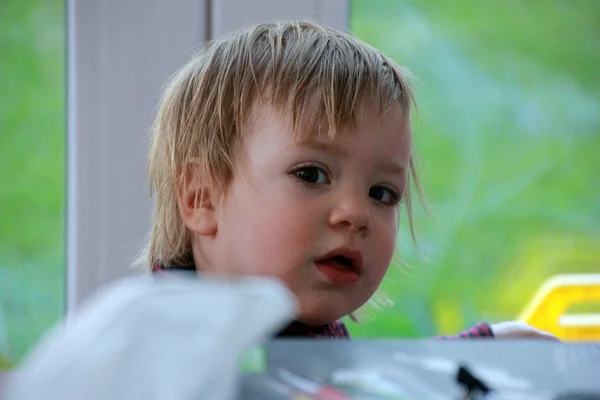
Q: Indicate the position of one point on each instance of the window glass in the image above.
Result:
(32, 173)
(508, 131)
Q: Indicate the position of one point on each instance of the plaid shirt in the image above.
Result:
(337, 329)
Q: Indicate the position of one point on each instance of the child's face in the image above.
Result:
(293, 207)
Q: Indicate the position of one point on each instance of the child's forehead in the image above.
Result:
(309, 123)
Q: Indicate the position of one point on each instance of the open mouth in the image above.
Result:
(341, 266)
(340, 262)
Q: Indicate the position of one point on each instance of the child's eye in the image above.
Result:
(385, 195)
(312, 175)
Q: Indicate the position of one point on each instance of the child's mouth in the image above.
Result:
(340, 262)
(341, 267)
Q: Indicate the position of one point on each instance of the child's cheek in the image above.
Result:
(279, 236)
(289, 229)
(384, 246)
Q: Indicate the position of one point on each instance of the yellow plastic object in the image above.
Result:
(547, 309)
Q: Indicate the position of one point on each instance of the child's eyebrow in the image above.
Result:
(330, 148)
(392, 168)
(388, 167)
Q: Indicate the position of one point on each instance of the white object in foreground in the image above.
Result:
(170, 339)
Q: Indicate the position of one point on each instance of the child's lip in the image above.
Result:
(354, 256)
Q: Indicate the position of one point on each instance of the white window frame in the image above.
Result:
(119, 55)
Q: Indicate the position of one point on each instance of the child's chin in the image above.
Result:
(325, 307)
(320, 318)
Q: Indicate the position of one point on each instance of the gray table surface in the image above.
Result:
(426, 369)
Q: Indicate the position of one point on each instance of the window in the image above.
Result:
(32, 173)
(508, 132)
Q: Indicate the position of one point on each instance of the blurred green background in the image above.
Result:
(32, 171)
(508, 131)
(509, 135)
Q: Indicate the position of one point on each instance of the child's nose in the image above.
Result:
(352, 212)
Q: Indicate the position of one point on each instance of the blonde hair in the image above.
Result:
(206, 104)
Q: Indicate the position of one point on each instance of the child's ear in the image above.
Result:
(196, 205)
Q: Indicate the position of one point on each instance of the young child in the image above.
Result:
(286, 150)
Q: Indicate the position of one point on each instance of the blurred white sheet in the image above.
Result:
(170, 339)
